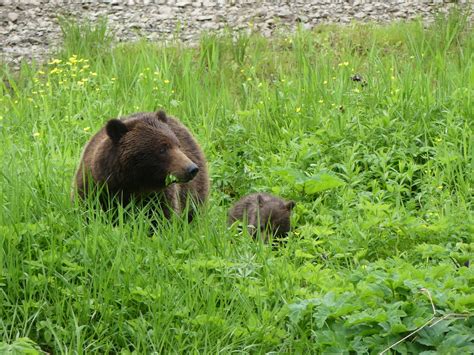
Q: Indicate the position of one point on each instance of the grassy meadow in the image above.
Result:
(381, 168)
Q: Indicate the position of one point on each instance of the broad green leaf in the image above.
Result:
(369, 316)
(321, 182)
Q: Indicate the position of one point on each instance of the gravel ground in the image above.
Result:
(29, 29)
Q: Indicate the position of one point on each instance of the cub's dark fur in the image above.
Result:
(268, 213)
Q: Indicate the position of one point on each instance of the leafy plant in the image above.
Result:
(380, 256)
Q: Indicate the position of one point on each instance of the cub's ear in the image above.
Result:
(290, 205)
(260, 201)
(116, 129)
(161, 115)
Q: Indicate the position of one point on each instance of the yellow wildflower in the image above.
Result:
(86, 129)
(166, 81)
(55, 61)
(298, 109)
(36, 134)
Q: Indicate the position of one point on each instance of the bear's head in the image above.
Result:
(148, 152)
(275, 215)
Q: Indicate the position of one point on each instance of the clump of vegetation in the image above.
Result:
(369, 128)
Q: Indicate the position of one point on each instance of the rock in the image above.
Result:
(210, 26)
(204, 18)
(165, 10)
(12, 16)
(14, 39)
(161, 17)
(345, 19)
(302, 19)
(219, 17)
(183, 3)
(368, 8)
(284, 13)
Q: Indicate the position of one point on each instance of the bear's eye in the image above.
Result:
(163, 149)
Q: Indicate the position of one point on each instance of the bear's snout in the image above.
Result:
(192, 170)
(182, 167)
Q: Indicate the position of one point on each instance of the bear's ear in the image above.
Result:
(260, 201)
(290, 205)
(116, 129)
(161, 115)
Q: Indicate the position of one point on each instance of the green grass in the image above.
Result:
(382, 173)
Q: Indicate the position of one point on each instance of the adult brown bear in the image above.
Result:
(145, 156)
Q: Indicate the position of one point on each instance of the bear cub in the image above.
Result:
(265, 212)
(145, 157)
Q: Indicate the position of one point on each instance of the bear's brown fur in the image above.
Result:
(268, 213)
(134, 158)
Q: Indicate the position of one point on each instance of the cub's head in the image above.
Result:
(149, 153)
(275, 214)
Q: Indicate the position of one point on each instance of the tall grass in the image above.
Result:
(281, 115)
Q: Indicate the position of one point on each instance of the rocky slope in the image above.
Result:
(29, 29)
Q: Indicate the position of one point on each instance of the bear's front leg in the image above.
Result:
(169, 202)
